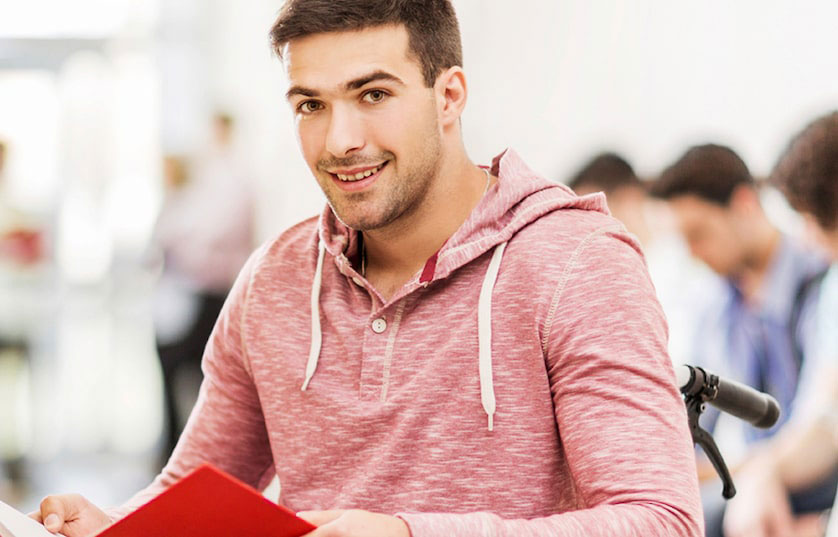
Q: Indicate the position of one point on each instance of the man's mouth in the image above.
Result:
(352, 175)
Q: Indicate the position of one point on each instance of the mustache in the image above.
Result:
(355, 161)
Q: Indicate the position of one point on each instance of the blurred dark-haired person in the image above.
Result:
(760, 328)
(612, 175)
(805, 452)
(449, 349)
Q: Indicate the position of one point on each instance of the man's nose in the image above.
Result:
(346, 133)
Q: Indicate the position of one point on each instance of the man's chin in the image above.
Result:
(357, 222)
(364, 223)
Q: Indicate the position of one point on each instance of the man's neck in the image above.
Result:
(395, 253)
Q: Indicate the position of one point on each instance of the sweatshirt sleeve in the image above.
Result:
(621, 420)
(227, 408)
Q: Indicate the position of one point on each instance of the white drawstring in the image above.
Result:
(484, 335)
(484, 329)
(316, 333)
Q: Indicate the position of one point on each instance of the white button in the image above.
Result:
(358, 281)
(379, 326)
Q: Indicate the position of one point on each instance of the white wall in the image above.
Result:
(557, 80)
(561, 80)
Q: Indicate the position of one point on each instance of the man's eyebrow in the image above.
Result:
(362, 81)
(299, 90)
(354, 84)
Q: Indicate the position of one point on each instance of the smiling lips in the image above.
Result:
(357, 176)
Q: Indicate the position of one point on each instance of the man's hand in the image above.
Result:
(354, 523)
(71, 515)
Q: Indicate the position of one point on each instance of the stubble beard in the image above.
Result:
(401, 197)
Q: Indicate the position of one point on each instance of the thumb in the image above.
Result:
(58, 509)
(318, 518)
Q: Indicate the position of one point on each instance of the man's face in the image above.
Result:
(366, 123)
(712, 232)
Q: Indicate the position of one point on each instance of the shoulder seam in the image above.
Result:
(560, 285)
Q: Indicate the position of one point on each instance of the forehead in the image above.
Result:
(326, 60)
(697, 211)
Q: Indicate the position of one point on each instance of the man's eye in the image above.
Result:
(374, 96)
(307, 107)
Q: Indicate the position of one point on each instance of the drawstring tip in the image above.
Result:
(491, 423)
(305, 384)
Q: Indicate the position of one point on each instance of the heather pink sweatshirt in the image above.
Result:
(518, 390)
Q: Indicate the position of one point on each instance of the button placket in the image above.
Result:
(375, 350)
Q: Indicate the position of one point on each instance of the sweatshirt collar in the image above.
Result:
(519, 197)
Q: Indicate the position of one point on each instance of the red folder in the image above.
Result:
(209, 503)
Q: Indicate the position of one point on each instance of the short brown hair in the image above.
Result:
(432, 28)
(607, 172)
(711, 172)
(807, 172)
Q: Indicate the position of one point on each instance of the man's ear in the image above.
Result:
(451, 94)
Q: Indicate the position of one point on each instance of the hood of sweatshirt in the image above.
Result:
(519, 197)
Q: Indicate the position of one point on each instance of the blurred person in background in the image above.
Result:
(203, 236)
(760, 328)
(805, 452)
(21, 252)
(612, 175)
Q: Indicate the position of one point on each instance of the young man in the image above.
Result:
(806, 451)
(448, 349)
(758, 326)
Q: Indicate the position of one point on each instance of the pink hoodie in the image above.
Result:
(519, 385)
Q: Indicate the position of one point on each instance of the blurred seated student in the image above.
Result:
(760, 328)
(612, 175)
(22, 253)
(806, 450)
